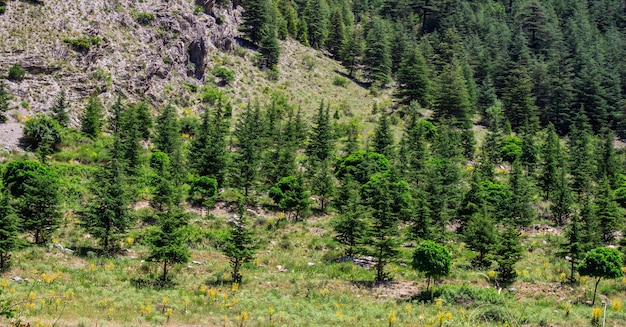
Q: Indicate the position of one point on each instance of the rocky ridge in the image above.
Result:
(150, 58)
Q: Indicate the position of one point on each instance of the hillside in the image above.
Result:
(312, 163)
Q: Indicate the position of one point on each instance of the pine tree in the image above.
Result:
(520, 211)
(39, 205)
(508, 253)
(337, 33)
(323, 184)
(248, 147)
(59, 110)
(573, 249)
(382, 236)
(169, 141)
(581, 153)
(257, 13)
(377, 55)
(350, 226)
(9, 230)
(452, 100)
(561, 206)
(383, 138)
(592, 233)
(91, 121)
(240, 245)
(208, 155)
(413, 152)
(303, 33)
(269, 47)
(414, 84)
(144, 120)
(550, 155)
(519, 105)
(608, 212)
(167, 240)
(320, 145)
(317, 14)
(352, 51)
(164, 194)
(607, 160)
(130, 133)
(480, 235)
(108, 216)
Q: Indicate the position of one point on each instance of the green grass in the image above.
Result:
(313, 291)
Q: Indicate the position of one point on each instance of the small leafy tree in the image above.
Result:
(240, 245)
(601, 263)
(290, 194)
(432, 259)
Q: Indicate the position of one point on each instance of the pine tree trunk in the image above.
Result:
(164, 270)
(571, 277)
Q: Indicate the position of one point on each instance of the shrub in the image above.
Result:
(210, 95)
(145, 18)
(226, 75)
(3, 9)
(82, 44)
(42, 131)
(340, 81)
(16, 73)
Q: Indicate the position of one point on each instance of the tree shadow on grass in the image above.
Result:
(153, 282)
(365, 85)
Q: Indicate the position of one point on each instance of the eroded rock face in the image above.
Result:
(198, 57)
(149, 61)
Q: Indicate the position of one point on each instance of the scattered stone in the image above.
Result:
(310, 264)
(281, 268)
(17, 279)
(69, 251)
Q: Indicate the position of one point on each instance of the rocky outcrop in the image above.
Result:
(148, 61)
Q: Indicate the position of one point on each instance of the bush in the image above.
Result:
(82, 44)
(226, 75)
(210, 95)
(42, 131)
(340, 81)
(3, 9)
(16, 73)
(145, 18)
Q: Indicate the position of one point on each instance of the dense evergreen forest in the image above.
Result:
(506, 114)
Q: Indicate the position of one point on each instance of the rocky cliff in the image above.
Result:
(144, 49)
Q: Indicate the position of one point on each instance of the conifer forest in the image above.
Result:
(344, 163)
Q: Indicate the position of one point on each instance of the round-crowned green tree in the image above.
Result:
(601, 263)
(432, 259)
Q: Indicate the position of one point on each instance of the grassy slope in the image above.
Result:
(87, 290)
